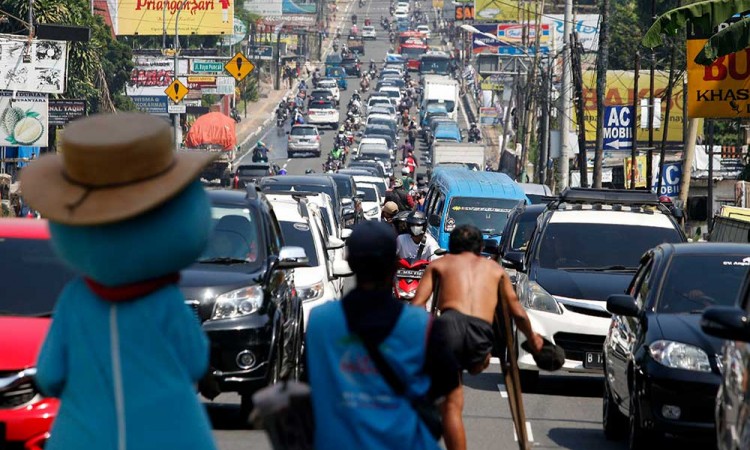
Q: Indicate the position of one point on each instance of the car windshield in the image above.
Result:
(567, 245)
(303, 131)
(390, 93)
(413, 51)
(449, 104)
(344, 185)
(234, 237)
(370, 193)
(34, 277)
(298, 234)
(487, 214)
(695, 282)
(379, 101)
(522, 231)
(321, 105)
(252, 171)
(434, 65)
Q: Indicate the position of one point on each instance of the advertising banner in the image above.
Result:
(721, 90)
(39, 66)
(148, 17)
(640, 171)
(152, 74)
(151, 104)
(499, 11)
(620, 92)
(512, 39)
(271, 8)
(586, 25)
(238, 35)
(670, 179)
(24, 119)
(63, 111)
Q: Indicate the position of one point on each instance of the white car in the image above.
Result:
(368, 32)
(368, 144)
(386, 110)
(371, 200)
(401, 14)
(332, 86)
(322, 112)
(378, 182)
(301, 227)
(425, 30)
(391, 92)
(331, 226)
(376, 100)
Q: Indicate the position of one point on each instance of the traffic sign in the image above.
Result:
(618, 127)
(206, 67)
(176, 91)
(670, 179)
(239, 66)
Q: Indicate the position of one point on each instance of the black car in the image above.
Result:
(306, 183)
(586, 246)
(371, 130)
(732, 412)
(517, 232)
(242, 291)
(355, 44)
(350, 199)
(661, 370)
(352, 66)
(251, 173)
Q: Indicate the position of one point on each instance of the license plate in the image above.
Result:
(413, 274)
(593, 360)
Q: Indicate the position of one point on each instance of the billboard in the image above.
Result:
(152, 74)
(62, 111)
(586, 25)
(620, 92)
(502, 11)
(277, 8)
(24, 119)
(152, 17)
(512, 36)
(721, 90)
(41, 66)
(151, 104)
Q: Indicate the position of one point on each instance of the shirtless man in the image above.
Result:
(470, 287)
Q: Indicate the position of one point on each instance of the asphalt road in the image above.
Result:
(564, 411)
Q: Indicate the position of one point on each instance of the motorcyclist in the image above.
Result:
(316, 76)
(260, 152)
(337, 152)
(282, 171)
(299, 119)
(474, 134)
(410, 163)
(417, 244)
(364, 83)
(372, 66)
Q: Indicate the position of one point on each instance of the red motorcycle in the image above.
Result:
(407, 277)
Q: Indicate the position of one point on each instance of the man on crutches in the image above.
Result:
(470, 288)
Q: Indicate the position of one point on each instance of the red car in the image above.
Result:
(33, 277)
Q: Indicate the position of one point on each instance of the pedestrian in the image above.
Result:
(470, 287)
(410, 163)
(402, 198)
(374, 361)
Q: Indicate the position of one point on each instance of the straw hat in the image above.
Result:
(113, 167)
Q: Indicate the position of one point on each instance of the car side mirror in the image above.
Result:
(335, 243)
(513, 260)
(346, 201)
(726, 322)
(440, 252)
(622, 305)
(345, 233)
(677, 213)
(341, 269)
(491, 247)
(321, 132)
(434, 220)
(292, 257)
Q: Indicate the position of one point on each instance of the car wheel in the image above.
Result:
(529, 379)
(246, 407)
(639, 438)
(299, 360)
(613, 421)
(275, 374)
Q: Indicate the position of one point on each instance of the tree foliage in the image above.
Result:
(625, 35)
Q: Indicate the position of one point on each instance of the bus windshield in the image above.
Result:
(413, 52)
(437, 65)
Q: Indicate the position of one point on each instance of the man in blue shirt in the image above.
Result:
(354, 406)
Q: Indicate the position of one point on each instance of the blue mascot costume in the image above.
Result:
(123, 352)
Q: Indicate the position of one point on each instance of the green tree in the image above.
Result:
(625, 35)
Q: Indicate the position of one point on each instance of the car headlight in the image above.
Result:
(312, 292)
(372, 212)
(533, 296)
(680, 356)
(240, 302)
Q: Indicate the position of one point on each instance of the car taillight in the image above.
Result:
(236, 182)
(317, 138)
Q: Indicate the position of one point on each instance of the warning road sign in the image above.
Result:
(618, 127)
(176, 91)
(239, 66)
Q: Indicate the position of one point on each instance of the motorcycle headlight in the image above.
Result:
(312, 292)
(240, 302)
(680, 356)
(533, 296)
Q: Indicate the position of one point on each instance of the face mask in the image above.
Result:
(416, 230)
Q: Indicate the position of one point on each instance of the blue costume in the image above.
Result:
(125, 371)
(354, 406)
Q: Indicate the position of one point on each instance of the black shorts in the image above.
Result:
(468, 338)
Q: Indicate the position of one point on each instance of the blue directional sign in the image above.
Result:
(670, 179)
(618, 127)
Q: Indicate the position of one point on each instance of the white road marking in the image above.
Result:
(285, 164)
(503, 392)
(529, 434)
(494, 360)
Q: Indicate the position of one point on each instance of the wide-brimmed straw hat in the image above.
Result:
(112, 168)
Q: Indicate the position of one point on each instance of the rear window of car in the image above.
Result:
(373, 148)
(328, 84)
(34, 277)
(303, 131)
(321, 105)
(252, 171)
(695, 282)
(298, 234)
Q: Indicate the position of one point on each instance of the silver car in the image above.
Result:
(303, 139)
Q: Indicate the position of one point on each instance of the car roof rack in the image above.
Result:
(300, 197)
(252, 190)
(607, 196)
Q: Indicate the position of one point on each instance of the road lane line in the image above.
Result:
(529, 434)
(503, 392)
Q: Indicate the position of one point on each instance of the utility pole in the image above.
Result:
(634, 121)
(565, 114)
(578, 83)
(544, 128)
(651, 108)
(602, 63)
(665, 122)
(176, 117)
(710, 199)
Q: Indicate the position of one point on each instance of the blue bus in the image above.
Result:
(459, 196)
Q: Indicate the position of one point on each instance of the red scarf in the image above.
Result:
(132, 291)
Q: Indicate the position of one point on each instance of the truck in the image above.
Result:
(470, 156)
(441, 90)
(215, 133)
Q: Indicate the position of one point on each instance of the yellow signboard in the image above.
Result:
(437, 4)
(176, 91)
(239, 66)
(640, 171)
(503, 11)
(620, 92)
(721, 90)
(201, 17)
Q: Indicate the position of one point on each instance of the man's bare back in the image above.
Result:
(468, 284)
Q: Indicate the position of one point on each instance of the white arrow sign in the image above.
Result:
(618, 144)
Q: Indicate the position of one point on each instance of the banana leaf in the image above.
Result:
(706, 15)
(731, 39)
